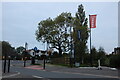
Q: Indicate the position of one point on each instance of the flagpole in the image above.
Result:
(90, 48)
(90, 44)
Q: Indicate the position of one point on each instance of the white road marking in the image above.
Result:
(113, 68)
(37, 76)
(11, 75)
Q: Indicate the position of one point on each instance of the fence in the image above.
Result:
(61, 60)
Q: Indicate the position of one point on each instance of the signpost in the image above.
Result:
(43, 57)
(9, 64)
(35, 49)
(79, 34)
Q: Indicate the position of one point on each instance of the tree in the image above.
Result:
(25, 54)
(20, 49)
(55, 32)
(6, 47)
(80, 24)
(101, 55)
(94, 55)
(115, 60)
(8, 50)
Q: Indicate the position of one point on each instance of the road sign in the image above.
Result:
(79, 34)
(35, 49)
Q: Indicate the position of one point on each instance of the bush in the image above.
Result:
(115, 61)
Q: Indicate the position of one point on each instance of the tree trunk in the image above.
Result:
(60, 51)
(33, 60)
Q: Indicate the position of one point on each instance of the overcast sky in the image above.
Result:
(20, 21)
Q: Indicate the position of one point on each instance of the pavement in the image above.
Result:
(105, 72)
(54, 71)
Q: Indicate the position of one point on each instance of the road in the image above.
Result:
(56, 72)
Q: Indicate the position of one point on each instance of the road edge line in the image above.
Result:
(11, 75)
(37, 76)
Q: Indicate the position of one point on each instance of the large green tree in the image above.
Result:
(8, 50)
(80, 28)
(94, 55)
(56, 32)
(101, 55)
(20, 49)
(114, 60)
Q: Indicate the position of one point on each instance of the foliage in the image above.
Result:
(80, 24)
(101, 55)
(25, 54)
(8, 50)
(115, 60)
(55, 55)
(55, 32)
(20, 49)
(94, 56)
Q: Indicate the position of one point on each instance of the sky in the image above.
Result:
(20, 21)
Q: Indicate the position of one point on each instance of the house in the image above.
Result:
(117, 50)
(38, 52)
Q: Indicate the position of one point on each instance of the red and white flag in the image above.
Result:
(92, 21)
